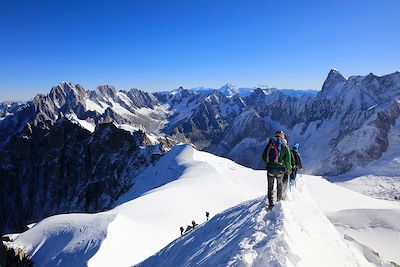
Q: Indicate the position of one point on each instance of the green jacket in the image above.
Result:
(287, 158)
(285, 163)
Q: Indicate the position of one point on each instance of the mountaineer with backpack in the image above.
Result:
(277, 157)
(296, 162)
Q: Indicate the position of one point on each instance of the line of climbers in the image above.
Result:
(194, 224)
(282, 165)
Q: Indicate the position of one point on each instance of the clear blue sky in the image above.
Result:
(158, 45)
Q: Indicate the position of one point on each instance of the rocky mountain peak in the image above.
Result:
(142, 99)
(106, 91)
(333, 84)
(335, 73)
(67, 89)
(229, 90)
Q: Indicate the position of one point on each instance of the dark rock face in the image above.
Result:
(8, 108)
(51, 165)
(13, 258)
(67, 169)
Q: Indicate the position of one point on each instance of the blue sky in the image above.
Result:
(159, 45)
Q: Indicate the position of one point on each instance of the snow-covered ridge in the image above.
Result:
(180, 188)
(294, 233)
(183, 180)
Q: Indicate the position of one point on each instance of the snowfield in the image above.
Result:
(183, 185)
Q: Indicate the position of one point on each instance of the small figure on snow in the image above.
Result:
(188, 228)
(182, 229)
(207, 215)
(194, 224)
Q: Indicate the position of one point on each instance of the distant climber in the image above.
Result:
(194, 224)
(277, 157)
(182, 229)
(296, 162)
(207, 215)
(188, 228)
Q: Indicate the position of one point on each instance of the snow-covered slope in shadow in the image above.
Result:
(294, 233)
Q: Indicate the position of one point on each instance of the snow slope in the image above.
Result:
(294, 233)
(181, 187)
(187, 183)
(373, 222)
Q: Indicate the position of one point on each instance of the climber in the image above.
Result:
(194, 224)
(296, 162)
(188, 228)
(182, 229)
(207, 215)
(286, 174)
(277, 158)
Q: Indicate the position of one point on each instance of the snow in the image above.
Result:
(380, 178)
(65, 240)
(294, 233)
(187, 184)
(371, 256)
(128, 128)
(377, 186)
(182, 186)
(182, 110)
(119, 109)
(93, 106)
(124, 98)
(379, 229)
(374, 222)
(84, 124)
(372, 107)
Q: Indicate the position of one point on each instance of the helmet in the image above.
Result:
(296, 147)
(280, 134)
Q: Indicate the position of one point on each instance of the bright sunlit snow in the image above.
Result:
(182, 186)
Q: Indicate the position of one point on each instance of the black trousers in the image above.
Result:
(279, 186)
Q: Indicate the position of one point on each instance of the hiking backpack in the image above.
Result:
(272, 152)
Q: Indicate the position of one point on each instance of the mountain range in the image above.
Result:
(74, 150)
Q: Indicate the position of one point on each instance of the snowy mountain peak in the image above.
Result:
(335, 72)
(229, 90)
(67, 89)
(333, 84)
